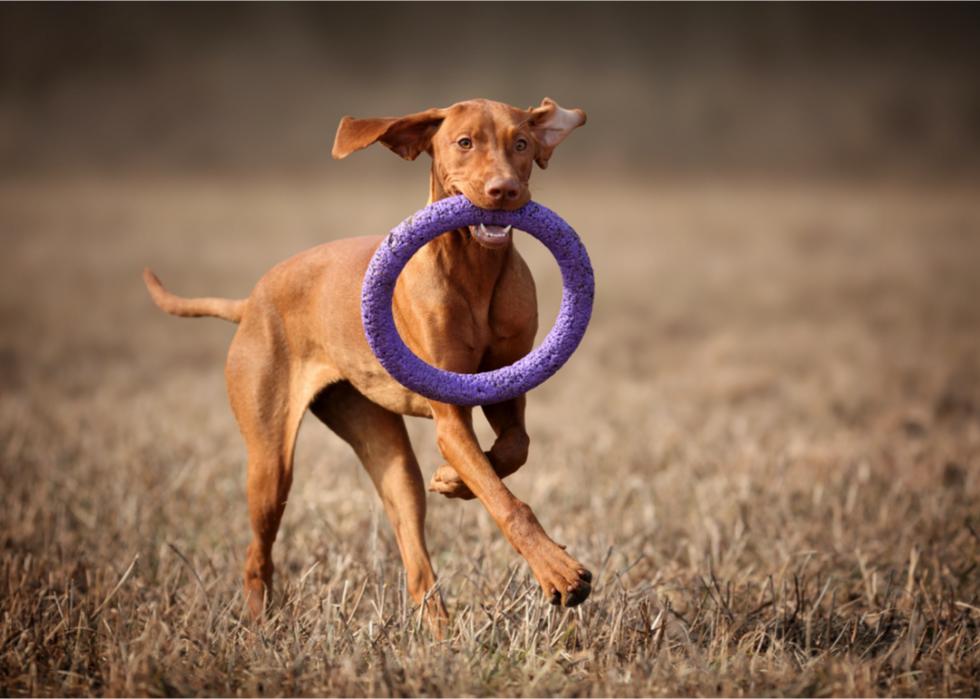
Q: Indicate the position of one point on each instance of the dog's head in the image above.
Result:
(482, 149)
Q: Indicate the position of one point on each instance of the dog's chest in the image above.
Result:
(457, 316)
(380, 388)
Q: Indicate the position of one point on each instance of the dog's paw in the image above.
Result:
(447, 482)
(564, 580)
(574, 592)
(437, 617)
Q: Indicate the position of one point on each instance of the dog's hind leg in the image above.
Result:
(268, 408)
(381, 442)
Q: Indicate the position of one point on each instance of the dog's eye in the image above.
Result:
(520, 144)
(465, 143)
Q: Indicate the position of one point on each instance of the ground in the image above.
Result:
(766, 450)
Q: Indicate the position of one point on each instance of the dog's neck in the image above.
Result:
(471, 268)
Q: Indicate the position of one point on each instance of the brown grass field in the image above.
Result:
(767, 450)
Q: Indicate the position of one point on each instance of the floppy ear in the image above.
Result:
(408, 135)
(550, 124)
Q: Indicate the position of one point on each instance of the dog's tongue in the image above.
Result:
(491, 236)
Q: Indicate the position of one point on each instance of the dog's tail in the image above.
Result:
(229, 309)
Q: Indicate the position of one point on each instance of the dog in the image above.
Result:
(465, 303)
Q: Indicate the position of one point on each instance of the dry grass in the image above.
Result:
(766, 450)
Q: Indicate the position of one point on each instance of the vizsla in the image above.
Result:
(466, 303)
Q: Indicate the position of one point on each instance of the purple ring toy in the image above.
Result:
(486, 387)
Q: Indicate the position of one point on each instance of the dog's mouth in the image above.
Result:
(491, 236)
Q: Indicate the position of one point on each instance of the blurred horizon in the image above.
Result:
(825, 89)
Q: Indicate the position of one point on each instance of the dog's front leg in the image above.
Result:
(508, 453)
(509, 450)
(562, 578)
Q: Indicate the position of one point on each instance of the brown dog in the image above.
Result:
(466, 303)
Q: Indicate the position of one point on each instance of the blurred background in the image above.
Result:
(861, 89)
(780, 386)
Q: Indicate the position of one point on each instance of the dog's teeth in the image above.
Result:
(491, 233)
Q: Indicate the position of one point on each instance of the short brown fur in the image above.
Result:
(459, 304)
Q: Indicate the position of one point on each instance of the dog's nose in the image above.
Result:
(502, 189)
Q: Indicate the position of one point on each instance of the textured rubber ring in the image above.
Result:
(487, 387)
